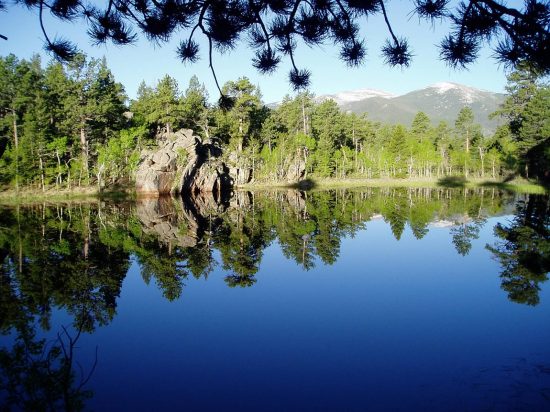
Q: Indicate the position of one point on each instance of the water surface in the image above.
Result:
(373, 299)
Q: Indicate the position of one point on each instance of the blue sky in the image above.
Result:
(144, 61)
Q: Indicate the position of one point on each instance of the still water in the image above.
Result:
(350, 300)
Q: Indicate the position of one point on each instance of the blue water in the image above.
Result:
(394, 325)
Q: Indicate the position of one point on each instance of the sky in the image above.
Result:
(148, 62)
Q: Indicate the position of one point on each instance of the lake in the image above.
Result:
(344, 300)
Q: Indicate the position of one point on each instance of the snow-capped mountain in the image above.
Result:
(355, 96)
(466, 94)
(440, 101)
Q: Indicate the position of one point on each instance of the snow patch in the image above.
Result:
(356, 95)
(443, 87)
(467, 94)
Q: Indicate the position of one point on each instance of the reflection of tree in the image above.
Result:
(90, 285)
(396, 213)
(524, 252)
(76, 257)
(327, 234)
(165, 266)
(200, 261)
(53, 257)
(57, 260)
(242, 280)
(40, 376)
(241, 244)
(470, 223)
(420, 218)
(295, 235)
(463, 235)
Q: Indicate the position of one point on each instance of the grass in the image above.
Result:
(77, 194)
(515, 185)
(119, 193)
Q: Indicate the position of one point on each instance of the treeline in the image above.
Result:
(72, 125)
(54, 120)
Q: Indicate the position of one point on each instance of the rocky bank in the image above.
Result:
(184, 163)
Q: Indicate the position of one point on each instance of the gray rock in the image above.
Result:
(296, 171)
(181, 163)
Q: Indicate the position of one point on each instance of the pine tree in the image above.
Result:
(165, 104)
(195, 106)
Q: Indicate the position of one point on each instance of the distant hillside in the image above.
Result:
(441, 102)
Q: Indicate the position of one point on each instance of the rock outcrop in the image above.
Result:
(165, 217)
(182, 163)
(239, 171)
(296, 171)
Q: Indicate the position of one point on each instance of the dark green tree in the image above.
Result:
(164, 107)
(195, 107)
(526, 110)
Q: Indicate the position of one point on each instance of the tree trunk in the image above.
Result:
(41, 166)
(241, 137)
(481, 156)
(16, 142)
(58, 177)
(84, 149)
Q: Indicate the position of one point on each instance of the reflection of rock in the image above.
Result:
(183, 221)
(206, 204)
(165, 218)
(181, 163)
(180, 221)
(296, 200)
(241, 200)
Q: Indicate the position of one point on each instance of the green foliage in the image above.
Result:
(195, 107)
(118, 160)
(64, 126)
(160, 107)
(56, 118)
(527, 109)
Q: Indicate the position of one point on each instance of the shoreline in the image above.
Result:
(517, 185)
(11, 196)
(79, 194)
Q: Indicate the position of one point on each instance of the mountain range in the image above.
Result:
(440, 101)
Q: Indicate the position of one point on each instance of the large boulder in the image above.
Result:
(296, 171)
(239, 171)
(181, 163)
